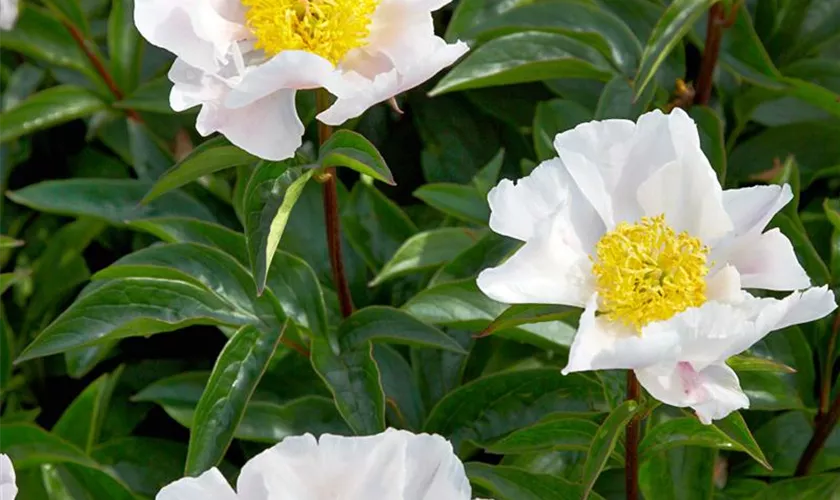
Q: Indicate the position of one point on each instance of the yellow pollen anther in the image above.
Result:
(646, 272)
(329, 28)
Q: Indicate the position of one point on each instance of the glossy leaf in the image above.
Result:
(270, 197)
(48, 108)
(604, 442)
(405, 407)
(81, 422)
(553, 117)
(211, 156)
(237, 372)
(124, 44)
(510, 483)
(426, 250)
(570, 433)
(462, 202)
(523, 314)
(346, 148)
(379, 323)
(675, 22)
(538, 56)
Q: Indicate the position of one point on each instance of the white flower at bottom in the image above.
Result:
(242, 61)
(8, 487)
(631, 223)
(393, 465)
(8, 14)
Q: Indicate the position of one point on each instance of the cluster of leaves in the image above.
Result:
(120, 223)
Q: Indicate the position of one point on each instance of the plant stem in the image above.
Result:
(100, 68)
(332, 218)
(825, 388)
(714, 34)
(631, 444)
(823, 429)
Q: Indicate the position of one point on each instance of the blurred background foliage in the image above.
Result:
(86, 131)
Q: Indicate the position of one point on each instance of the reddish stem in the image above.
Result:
(714, 34)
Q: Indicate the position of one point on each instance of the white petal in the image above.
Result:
(517, 208)
(268, 128)
(355, 93)
(689, 195)
(716, 331)
(713, 392)
(393, 464)
(601, 344)
(724, 286)
(193, 86)
(290, 69)
(8, 487)
(767, 261)
(211, 485)
(595, 154)
(752, 208)
(8, 14)
(191, 29)
(548, 269)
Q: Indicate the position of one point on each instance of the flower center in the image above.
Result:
(646, 272)
(329, 28)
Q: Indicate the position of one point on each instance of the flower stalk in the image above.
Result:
(631, 444)
(331, 216)
(717, 22)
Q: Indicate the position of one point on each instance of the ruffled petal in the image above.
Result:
(716, 331)
(516, 208)
(211, 485)
(393, 464)
(713, 392)
(600, 344)
(355, 93)
(191, 29)
(268, 128)
(689, 195)
(8, 486)
(724, 286)
(548, 269)
(752, 208)
(767, 261)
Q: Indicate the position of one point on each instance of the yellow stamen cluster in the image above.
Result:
(646, 272)
(329, 28)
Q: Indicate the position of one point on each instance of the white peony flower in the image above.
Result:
(393, 465)
(8, 488)
(8, 14)
(243, 60)
(631, 223)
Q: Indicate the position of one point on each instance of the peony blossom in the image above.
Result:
(630, 223)
(242, 61)
(8, 14)
(393, 465)
(8, 487)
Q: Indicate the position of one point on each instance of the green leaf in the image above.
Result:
(145, 464)
(461, 304)
(728, 434)
(486, 252)
(374, 225)
(819, 487)
(296, 288)
(438, 372)
(29, 445)
(488, 176)
(568, 433)
(237, 372)
(348, 149)
(42, 37)
(515, 399)
(471, 13)
(744, 363)
(784, 438)
(150, 157)
(577, 19)
(675, 22)
(124, 44)
(211, 156)
(510, 483)
(426, 250)
(710, 127)
(405, 408)
(354, 381)
(604, 443)
(808, 255)
(553, 117)
(380, 323)
(81, 422)
(270, 197)
(462, 202)
(523, 314)
(186, 230)
(525, 57)
(71, 10)
(151, 96)
(7, 280)
(48, 108)
(617, 100)
(685, 473)
(9, 242)
(114, 200)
